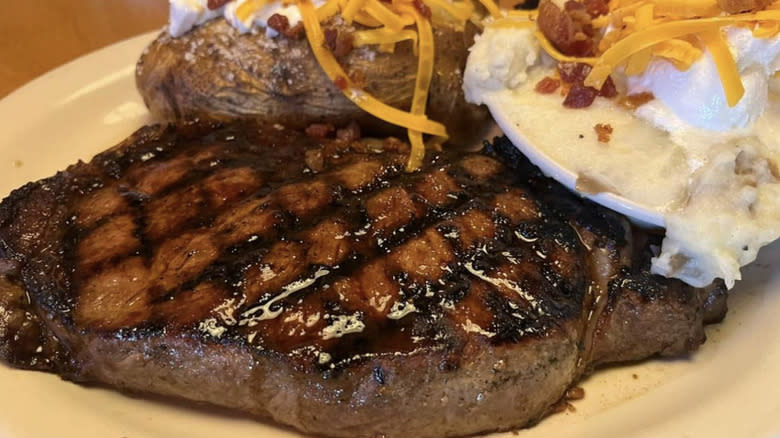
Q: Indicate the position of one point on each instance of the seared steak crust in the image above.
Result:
(315, 283)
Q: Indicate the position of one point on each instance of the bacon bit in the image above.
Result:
(571, 6)
(634, 101)
(573, 72)
(608, 90)
(596, 7)
(559, 407)
(344, 44)
(603, 131)
(422, 8)
(547, 85)
(295, 32)
(349, 133)
(279, 23)
(577, 12)
(341, 82)
(576, 393)
(319, 130)
(214, 4)
(331, 35)
(339, 43)
(570, 31)
(580, 96)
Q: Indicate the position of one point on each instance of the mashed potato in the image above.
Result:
(710, 169)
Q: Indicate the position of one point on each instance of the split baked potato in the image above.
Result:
(214, 72)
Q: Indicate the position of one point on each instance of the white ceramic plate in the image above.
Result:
(730, 388)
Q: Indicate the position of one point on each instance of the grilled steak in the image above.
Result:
(314, 283)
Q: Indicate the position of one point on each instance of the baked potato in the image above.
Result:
(215, 72)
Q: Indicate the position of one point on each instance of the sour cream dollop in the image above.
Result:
(695, 98)
(710, 169)
(186, 14)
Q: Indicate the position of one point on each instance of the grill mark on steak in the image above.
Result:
(99, 205)
(113, 239)
(182, 261)
(214, 264)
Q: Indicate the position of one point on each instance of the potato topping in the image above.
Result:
(387, 25)
(381, 23)
(629, 33)
(547, 85)
(603, 131)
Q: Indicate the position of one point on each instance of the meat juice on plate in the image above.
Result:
(692, 130)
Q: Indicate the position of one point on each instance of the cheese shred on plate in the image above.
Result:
(634, 31)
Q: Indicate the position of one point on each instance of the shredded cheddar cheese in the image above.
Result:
(352, 7)
(635, 31)
(492, 8)
(389, 23)
(766, 29)
(727, 66)
(640, 40)
(511, 22)
(327, 10)
(245, 10)
(460, 11)
(421, 86)
(679, 52)
(687, 9)
(363, 100)
(529, 14)
(366, 20)
(388, 18)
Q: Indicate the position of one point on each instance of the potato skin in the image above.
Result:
(213, 72)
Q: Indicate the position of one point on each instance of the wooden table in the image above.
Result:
(39, 35)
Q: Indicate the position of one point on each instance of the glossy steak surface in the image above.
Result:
(315, 283)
